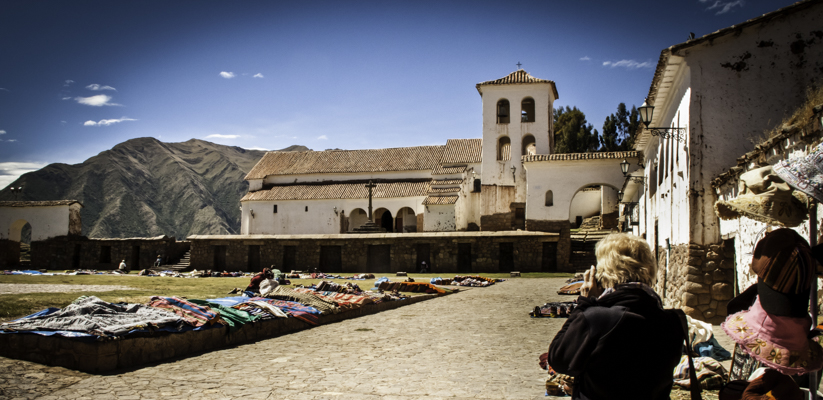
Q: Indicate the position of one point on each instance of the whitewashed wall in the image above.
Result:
(499, 172)
(565, 179)
(439, 218)
(586, 203)
(293, 219)
(46, 222)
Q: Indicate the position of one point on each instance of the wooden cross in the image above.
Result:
(370, 186)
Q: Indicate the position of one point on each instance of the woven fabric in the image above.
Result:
(192, 313)
(804, 173)
(325, 306)
(783, 260)
(709, 371)
(95, 316)
(297, 310)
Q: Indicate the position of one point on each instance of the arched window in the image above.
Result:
(527, 110)
(503, 111)
(549, 198)
(529, 148)
(504, 149)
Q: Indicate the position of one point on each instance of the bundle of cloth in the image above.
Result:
(553, 310)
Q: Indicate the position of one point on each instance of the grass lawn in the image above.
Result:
(17, 305)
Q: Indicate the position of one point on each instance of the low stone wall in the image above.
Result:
(134, 351)
(497, 222)
(399, 252)
(564, 241)
(700, 280)
(79, 252)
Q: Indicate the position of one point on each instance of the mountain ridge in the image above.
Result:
(144, 187)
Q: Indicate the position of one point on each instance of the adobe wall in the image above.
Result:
(700, 280)
(485, 250)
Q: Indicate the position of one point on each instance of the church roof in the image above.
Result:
(440, 200)
(518, 77)
(463, 151)
(347, 161)
(582, 156)
(441, 170)
(341, 190)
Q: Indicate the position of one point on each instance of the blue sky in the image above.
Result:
(78, 77)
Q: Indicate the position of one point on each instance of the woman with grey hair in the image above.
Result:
(619, 342)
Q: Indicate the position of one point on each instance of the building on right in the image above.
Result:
(714, 100)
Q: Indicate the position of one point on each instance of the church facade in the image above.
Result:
(509, 179)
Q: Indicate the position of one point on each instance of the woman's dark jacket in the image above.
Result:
(620, 346)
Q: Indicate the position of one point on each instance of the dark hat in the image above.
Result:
(785, 269)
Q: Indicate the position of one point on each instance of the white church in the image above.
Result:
(509, 179)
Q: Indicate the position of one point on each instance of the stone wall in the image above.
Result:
(485, 252)
(9, 253)
(497, 222)
(700, 280)
(564, 241)
(79, 252)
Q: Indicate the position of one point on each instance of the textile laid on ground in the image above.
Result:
(474, 281)
(711, 348)
(709, 372)
(234, 318)
(95, 316)
(342, 300)
(414, 287)
(295, 309)
(571, 288)
(325, 306)
(193, 314)
(554, 310)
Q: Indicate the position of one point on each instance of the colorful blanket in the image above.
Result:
(193, 314)
(297, 310)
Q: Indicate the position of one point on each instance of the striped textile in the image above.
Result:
(325, 306)
(297, 310)
(192, 313)
(342, 300)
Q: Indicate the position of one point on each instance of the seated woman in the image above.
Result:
(254, 284)
(619, 342)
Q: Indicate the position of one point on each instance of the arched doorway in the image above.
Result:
(357, 218)
(20, 232)
(406, 220)
(595, 200)
(384, 218)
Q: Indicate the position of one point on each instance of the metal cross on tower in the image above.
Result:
(518, 65)
(370, 186)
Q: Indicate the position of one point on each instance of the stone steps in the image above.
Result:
(181, 265)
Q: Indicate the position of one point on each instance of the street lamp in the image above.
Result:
(624, 167)
(16, 191)
(619, 196)
(646, 111)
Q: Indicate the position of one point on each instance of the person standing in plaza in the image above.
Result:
(619, 343)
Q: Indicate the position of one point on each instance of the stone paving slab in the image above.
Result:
(477, 344)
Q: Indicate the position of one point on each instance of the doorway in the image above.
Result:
(464, 257)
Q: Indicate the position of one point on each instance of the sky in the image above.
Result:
(79, 77)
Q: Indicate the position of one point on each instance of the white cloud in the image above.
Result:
(256, 148)
(227, 75)
(723, 6)
(2, 131)
(107, 122)
(96, 87)
(67, 98)
(323, 137)
(219, 136)
(586, 58)
(68, 82)
(10, 171)
(5, 90)
(258, 75)
(628, 64)
(11, 140)
(96, 101)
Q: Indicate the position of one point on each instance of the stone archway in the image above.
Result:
(384, 219)
(594, 200)
(357, 218)
(406, 220)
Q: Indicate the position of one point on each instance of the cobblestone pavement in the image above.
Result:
(477, 344)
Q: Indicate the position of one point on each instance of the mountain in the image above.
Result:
(144, 187)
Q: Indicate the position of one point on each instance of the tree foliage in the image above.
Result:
(572, 134)
(620, 129)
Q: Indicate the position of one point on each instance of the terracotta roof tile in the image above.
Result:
(583, 156)
(435, 190)
(50, 203)
(347, 161)
(341, 190)
(447, 182)
(440, 200)
(463, 151)
(441, 170)
(518, 77)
